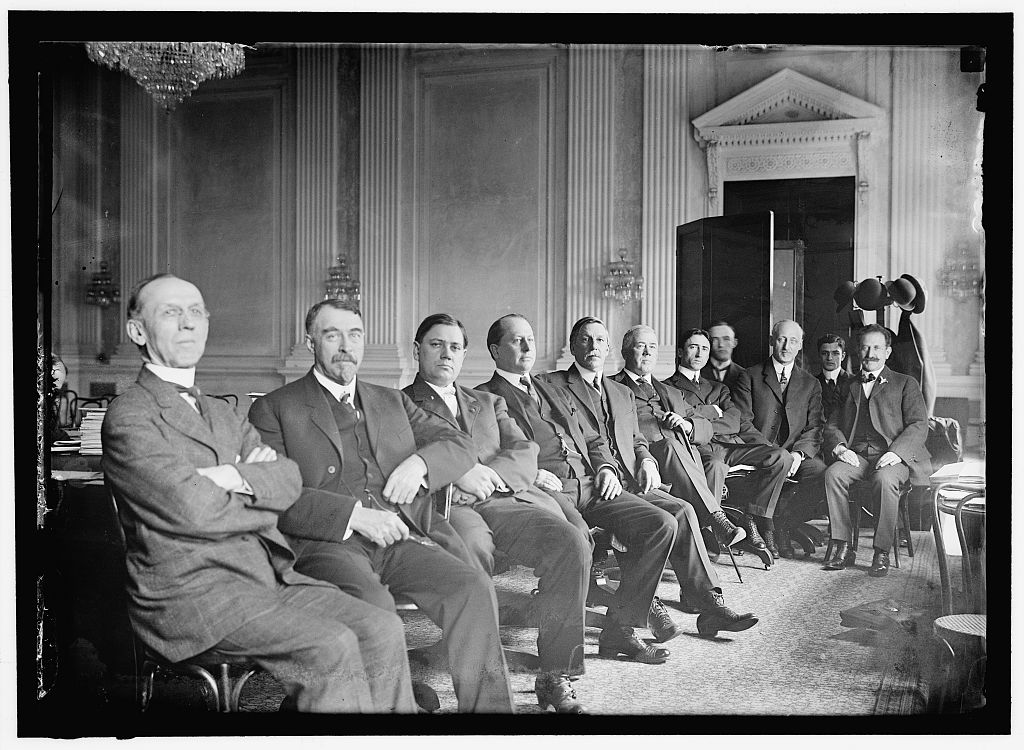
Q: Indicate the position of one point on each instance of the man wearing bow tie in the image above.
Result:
(878, 433)
(833, 378)
(783, 403)
(497, 506)
(365, 520)
(734, 439)
(199, 497)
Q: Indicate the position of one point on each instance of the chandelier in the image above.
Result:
(170, 71)
(621, 282)
(960, 275)
(102, 290)
(340, 284)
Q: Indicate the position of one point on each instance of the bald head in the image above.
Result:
(168, 321)
(787, 339)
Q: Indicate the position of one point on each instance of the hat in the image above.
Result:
(902, 293)
(871, 295)
(920, 297)
(844, 293)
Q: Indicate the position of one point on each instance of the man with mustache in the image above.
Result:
(365, 520)
(199, 495)
(877, 432)
(783, 402)
(610, 409)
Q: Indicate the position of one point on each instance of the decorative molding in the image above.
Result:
(830, 162)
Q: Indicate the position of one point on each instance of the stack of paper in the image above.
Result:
(92, 422)
(965, 471)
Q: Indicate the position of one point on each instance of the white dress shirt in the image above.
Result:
(781, 369)
(183, 376)
(336, 389)
(447, 394)
(687, 373)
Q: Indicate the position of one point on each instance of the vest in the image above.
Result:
(645, 415)
(865, 435)
(360, 474)
(604, 423)
(551, 439)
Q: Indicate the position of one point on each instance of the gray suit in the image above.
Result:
(208, 567)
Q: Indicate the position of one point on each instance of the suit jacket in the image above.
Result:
(761, 401)
(201, 561)
(732, 428)
(629, 442)
(830, 397)
(500, 442)
(587, 441)
(897, 412)
(731, 374)
(297, 421)
(672, 400)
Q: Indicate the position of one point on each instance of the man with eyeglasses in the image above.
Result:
(783, 402)
(365, 520)
(199, 496)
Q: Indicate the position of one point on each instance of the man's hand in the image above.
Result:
(382, 527)
(480, 481)
(548, 481)
(848, 456)
(261, 454)
(797, 460)
(887, 459)
(607, 484)
(648, 475)
(709, 411)
(677, 422)
(406, 480)
(225, 476)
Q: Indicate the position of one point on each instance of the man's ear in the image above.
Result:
(136, 332)
(309, 344)
(416, 350)
(493, 349)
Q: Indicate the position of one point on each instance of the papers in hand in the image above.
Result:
(64, 475)
(965, 471)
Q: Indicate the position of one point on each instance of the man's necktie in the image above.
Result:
(867, 377)
(525, 382)
(448, 396)
(195, 393)
(646, 389)
(720, 374)
(596, 386)
(783, 381)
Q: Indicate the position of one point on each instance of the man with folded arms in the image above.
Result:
(734, 440)
(878, 433)
(610, 409)
(365, 520)
(208, 571)
(783, 402)
(497, 506)
(667, 422)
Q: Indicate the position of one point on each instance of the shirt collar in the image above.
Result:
(588, 375)
(442, 390)
(183, 376)
(336, 389)
(513, 377)
(716, 366)
(637, 378)
(832, 375)
(686, 372)
(781, 368)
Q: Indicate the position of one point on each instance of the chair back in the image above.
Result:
(229, 398)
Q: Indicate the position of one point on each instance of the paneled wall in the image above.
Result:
(475, 181)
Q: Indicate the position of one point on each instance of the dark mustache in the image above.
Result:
(343, 358)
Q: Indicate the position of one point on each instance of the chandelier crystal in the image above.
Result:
(621, 281)
(170, 71)
(960, 275)
(340, 284)
(102, 291)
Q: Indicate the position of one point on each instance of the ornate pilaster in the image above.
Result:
(316, 166)
(381, 234)
(591, 186)
(666, 120)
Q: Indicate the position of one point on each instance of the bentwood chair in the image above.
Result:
(228, 398)
(856, 500)
(223, 676)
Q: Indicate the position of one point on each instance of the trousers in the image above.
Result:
(885, 490)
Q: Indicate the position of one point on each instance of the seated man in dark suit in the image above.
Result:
(365, 520)
(734, 440)
(833, 378)
(878, 431)
(497, 506)
(667, 422)
(720, 366)
(783, 402)
(610, 409)
(199, 498)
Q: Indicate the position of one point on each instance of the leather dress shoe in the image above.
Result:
(769, 542)
(842, 556)
(715, 616)
(660, 623)
(554, 689)
(785, 545)
(879, 564)
(425, 697)
(753, 535)
(687, 605)
(725, 530)
(619, 639)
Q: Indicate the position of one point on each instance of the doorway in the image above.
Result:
(820, 212)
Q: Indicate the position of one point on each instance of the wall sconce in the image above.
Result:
(960, 276)
(102, 291)
(621, 282)
(340, 285)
